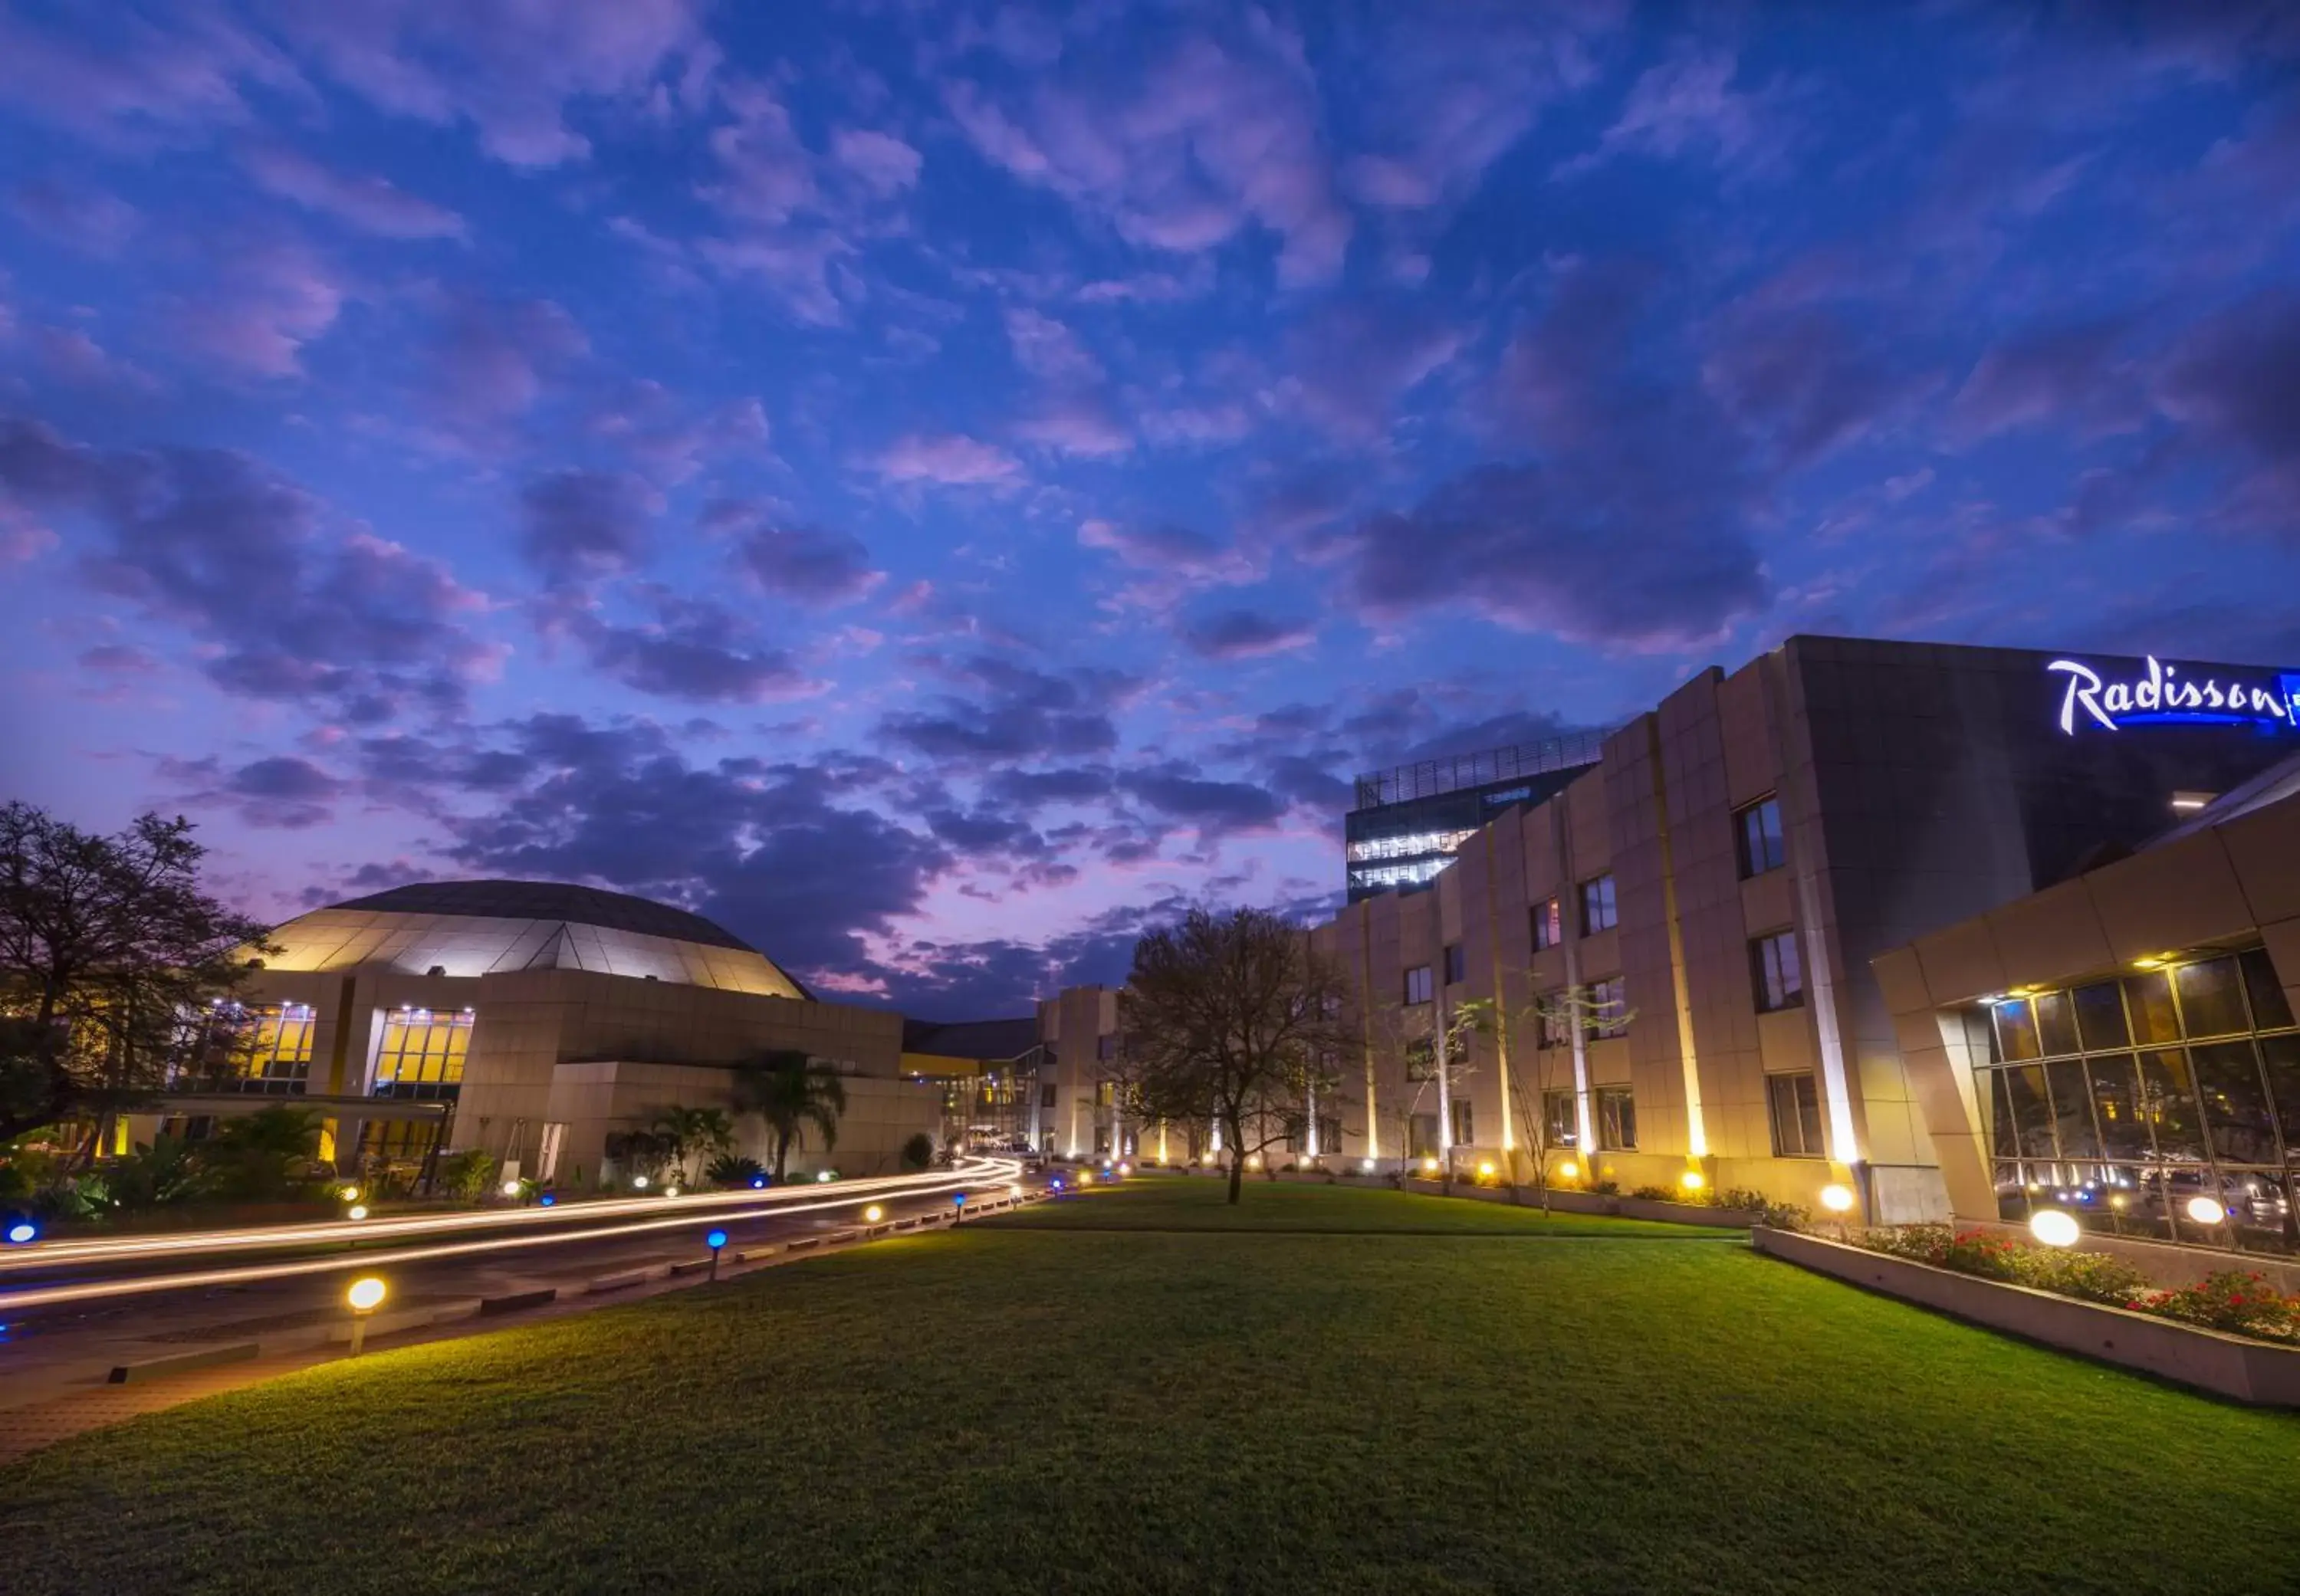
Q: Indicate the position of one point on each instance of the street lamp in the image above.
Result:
(365, 1296)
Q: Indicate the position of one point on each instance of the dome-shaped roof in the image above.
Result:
(486, 927)
(551, 901)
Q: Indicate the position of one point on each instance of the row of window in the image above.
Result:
(1792, 1102)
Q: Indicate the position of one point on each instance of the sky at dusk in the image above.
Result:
(934, 486)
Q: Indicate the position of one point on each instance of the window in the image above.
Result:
(1556, 1018)
(1548, 928)
(1617, 1119)
(1760, 829)
(1105, 1094)
(1609, 1008)
(1423, 1137)
(1421, 1060)
(1779, 978)
(1417, 985)
(1598, 911)
(1560, 1126)
(1047, 1095)
(1465, 1123)
(422, 1054)
(1106, 1048)
(1457, 967)
(1794, 1100)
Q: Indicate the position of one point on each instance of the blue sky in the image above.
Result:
(935, 485)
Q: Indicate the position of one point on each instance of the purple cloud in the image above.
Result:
(1247, 635)
(370, 204)
(694, 650)
(577, 526)
(951, 459)
(806, 563)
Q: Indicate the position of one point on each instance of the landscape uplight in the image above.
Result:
(670, 1191)
(1569, 1170)
(2056, 1227)
(1837, 1199)
(349, 1194)
(823, 1176)
(1366, 1165)
(1428, 1165)
(758, 1183)
(874, 1213)
(2207, 1211)
(24, 1233)
(1485, 1169)
(1692, 1180)
(639, 1183)
(511, 1188)
(357, 1210)
(547, 1200)
(1126, 1168)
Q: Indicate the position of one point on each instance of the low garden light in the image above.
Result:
(357, 1210)
(1254, 1160)
(957, 1207)
(1569, 1170)
(1692, 1180)
(365, 1296)
(2207, 1211)
(1428, 1165)
(1126, 1168)
(548, 1200)
(511, 1188)
(715, 1239)
(1367, 1164)
(1485, 1169)
(2056, 1227)
(349, 1194)
(670, 1191)
(758, 1183)
(874, 1213)
(22, 1232)
(1837, 1199)
(639, 1183)
(1086, 1177)
(823, 1176)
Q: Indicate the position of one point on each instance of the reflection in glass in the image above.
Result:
(2001, 1140)
(2012, 1192)
(2114, 1094)
(2280, 1057)
(2100, 1015)
(2236, 1104)
(2211, 1004)
(2032, 1117)
(2016, 1028)
(2056, 1024)
(2270, 1010)
(2154, 1018)
(2072, 1110)
(2169, 1103)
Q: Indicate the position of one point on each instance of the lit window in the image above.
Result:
(1456, 966)
(1417, 989)
(1773, 968)
(1465, 1124)
(1794, 1101)
(1548, 929)
(1559, 1125)
(1598, 910)
(1408, 846)
(423, 1053)
(1617, 1119)
(1759, 827)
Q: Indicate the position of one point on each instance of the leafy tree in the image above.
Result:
(467, 1175)
(919, 1152)
(1233, 1020)
(685, 1132)
(731, 1170)
(791, 1093)
(108, 948)
(165, 1171)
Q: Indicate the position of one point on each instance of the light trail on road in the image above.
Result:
(982, 1173)
(46, 1255)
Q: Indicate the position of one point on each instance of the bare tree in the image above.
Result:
(1232, 1020)
(1551, 1019)
(109, 955)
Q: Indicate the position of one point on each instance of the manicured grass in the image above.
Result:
(1026, 1407)
(1187, 1203)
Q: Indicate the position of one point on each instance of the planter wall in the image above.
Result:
(2260, 1373)
(1683, 1213)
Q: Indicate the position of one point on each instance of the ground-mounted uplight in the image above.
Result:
(1428, 1165)
(2205, 1210)
(1086, 1177)
(670, 1191)
(365, 1296)
(2056, 1227)
(1569, 1170)
(548, 1200)
(511, 1188)
(1837, 1199)
(639, 1183)
(1692, 1180)
(1126, 1168)
(357, 1210)
(1254, 1160)
(873, 1214)
(22, 1232)
(822, 1176)
(1485, 1169)
(758, 1183)
(715, 1239)
(1367, 1164)
(349, 1194)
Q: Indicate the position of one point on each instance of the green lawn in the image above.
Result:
(1032, 1405)
(1189, 1202)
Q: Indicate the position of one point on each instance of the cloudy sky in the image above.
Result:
(931, 485)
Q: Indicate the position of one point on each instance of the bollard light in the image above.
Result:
(24, 1233)
(365, 1296)
(873, 1214)
(715, 1239)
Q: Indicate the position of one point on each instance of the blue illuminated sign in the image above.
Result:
(2163, 696)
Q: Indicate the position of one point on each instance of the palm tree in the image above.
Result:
(791, 1091)
(686, 1131)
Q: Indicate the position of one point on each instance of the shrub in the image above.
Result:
(919, 1152)
(1922, 1243)
(2237, 1300)
(1606, 1188)
(1777, 1216)
(732, 1169)
(2089, 1276)
(467, 1176)
(1655, 1194)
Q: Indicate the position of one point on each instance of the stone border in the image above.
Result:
(2255, 1372)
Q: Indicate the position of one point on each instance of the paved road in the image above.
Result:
(69, 1314)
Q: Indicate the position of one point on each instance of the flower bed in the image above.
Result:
(2238, 1301)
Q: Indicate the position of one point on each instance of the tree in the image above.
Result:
(686, 1131)
(1565, 1015)
(791, 1091)
(108, 951)
(1231, 1020)
(261, 1156)
(732, 1171)
(918, 1151)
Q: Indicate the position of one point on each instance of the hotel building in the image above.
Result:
(1663, 967)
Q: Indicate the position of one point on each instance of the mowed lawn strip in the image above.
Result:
(1002, 1408)
(1188, 1202)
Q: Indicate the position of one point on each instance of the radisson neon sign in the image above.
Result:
(2163, 696)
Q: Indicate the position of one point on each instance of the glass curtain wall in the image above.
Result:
(2165, 1103)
